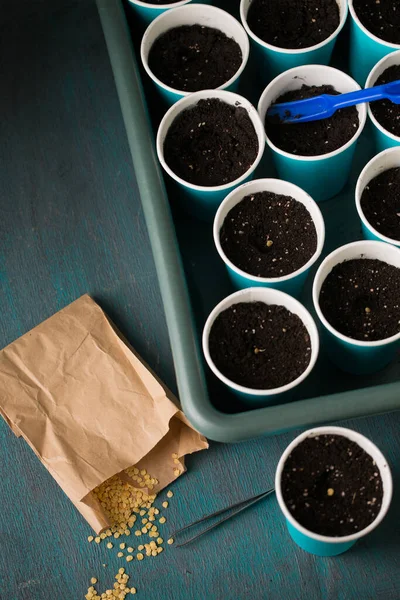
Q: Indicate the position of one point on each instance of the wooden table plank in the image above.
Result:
(71, 222)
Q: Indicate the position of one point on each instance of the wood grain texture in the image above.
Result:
(71, 222)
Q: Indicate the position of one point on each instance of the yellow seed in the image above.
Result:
(139, 556)
(116, 535)
(122, 546)
(108, 533)
(154, 553)
(177, 461)
(129, 558)
(93, 580)
(156, 511)
(177, 472)
(109, 545)
(133, 590)
(144, 521)
(153, 545)
(160, 540)
(90, 538)
(330, 491)
(141, 547)
(143, 472)
(97, 539)
(121, 570)
(165, 504)
(137, 532)
(367, 310)
(162, 520)
(170, 494)
(127, 532)
(174, 455)
(144, 529)
(120, 554)
(269, 243)
(103, 536)
(170, 541)
(159, 550)
(130, 549)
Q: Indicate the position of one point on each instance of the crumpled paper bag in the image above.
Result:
(89, 408)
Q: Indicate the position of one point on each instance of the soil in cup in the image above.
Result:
(380, 17)
(259, 346)
(315, 137)
(360, 298)
(380, 203)
(211, 143)
(331, 486)
(293, 24)
(194, 57)
(269, 235)
(387, 113)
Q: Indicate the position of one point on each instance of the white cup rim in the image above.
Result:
(160, 6)
(359, 192)
(271, 296)
(377, 456)
(358, 248)
(367, 32)
(362, 115)
(371, 79)
(188, 9)
(191, 100)
(246, 189)
(294, 51)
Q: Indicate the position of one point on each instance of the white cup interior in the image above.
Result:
(160, 6)
(387, 61)
(195, 14)
(276, 186)
(365, 30)
(192, 100)
(356, 250)
(388, 159)
(244, 9)
(316, 75)
(268, 296)
(366, 445)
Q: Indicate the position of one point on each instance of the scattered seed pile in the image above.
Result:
(194, 57)
(259, 346)
(387, 113)
(360, 298)
(380, 202)
(380, 17)
(332, 486)
(269, 235)
(212, 143)
(293, 24)
(315, 137)
(128, 507)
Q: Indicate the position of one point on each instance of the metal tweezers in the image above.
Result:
(240, 506)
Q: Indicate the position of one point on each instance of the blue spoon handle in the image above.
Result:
(367, 95)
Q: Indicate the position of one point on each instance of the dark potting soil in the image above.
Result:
(194, 57)
(360, 298)
(259, 346)
(381, 18)
(315, 137)
(332, 486)
(269, 235)
(212, 143)
(380, 202)
(387, 113)
(293, 24)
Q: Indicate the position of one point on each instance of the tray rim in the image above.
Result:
(184, 342)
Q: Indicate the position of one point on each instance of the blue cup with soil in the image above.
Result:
(261, 343)
(377, 197)
(317, 155)
(147, 11)
(384, 114)
(291, 33)
(356, 295)
(374, 33)
(194, 48)
(210, 142)
(269, 233)
(334, 487)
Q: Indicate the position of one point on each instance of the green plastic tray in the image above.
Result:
(192, 285)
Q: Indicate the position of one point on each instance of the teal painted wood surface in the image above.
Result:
(71, 222)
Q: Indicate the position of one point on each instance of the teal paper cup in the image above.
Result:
(147, 12)
(253, 397)
(388, 159)
(365, 48)
(203, 201)
(293, 283)
(321, 176)
(194, 14)
(350, 355)
(322, 545)
(383, 138)
(275, 60)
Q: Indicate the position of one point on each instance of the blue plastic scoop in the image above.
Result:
(324, 106)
